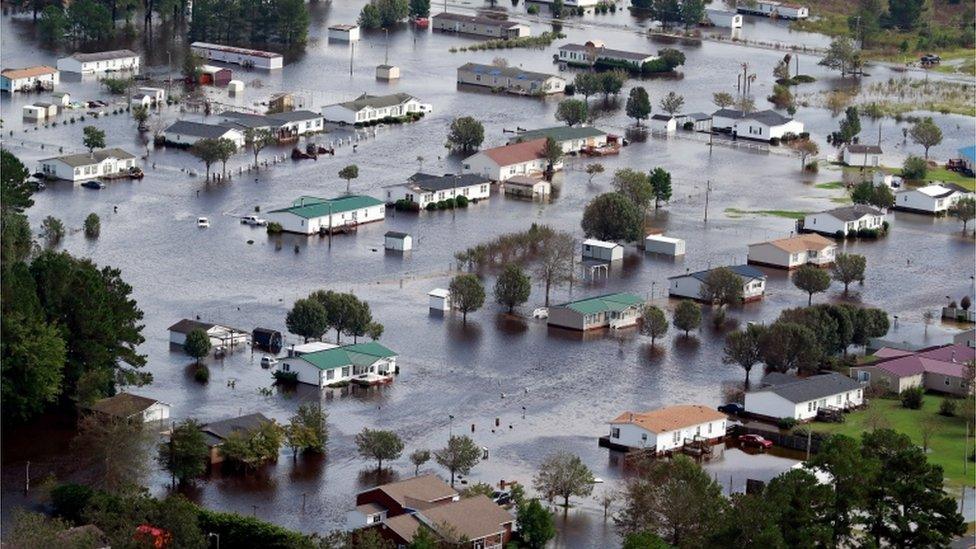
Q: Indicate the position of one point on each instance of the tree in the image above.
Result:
(722, 287)
(914, 168)
(782, 69)
(52, 229)
(467, 294)
(587, 84)
(742, 347)
(745, 104)
(850, 126)
(252, 448)
(611, 82)
(369, 17)
(788, 345)
(634, 185)
(32, 360)
(465, 134)
(15, 192)
(653, 323)
(345, 313)
(208, 151)
(94, 138)
(308, 430)
(867, 192)
(116, 451)
(964, 210)
(535, 524)
(419, 8)
(186, 454)
(92, 226)
(572, 111)
(842, 55)
(644, 540)
(349, 173)
(31, 530)
(197, 344)
(661, 186)
(553, 153)
(805, 148)
(840, 457)
(638, 104)
(379, 445)
(258, 139)
(692, 12)
(687, 316)
(674, 499)
(419, 458)
(906, 14)
(360, 319)
(224, 150)
(612, 216)
(141, 115)
(926, 133)
(459, 456)
(555, 262)
(802, 506)
(383, 13)
(374, 331)
(307, 318)
(672, 103)
(812, 280)
(564, 475)
(848, 268)
(671, 58)
(592, 170)
(53, 25)
(423, 538)
(512, 287)
(723, 100)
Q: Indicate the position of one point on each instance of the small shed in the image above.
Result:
(128, 406)
(281, 102)
(61, 98)
(140, 100)
(394, 240)
(439, 299)
(659, 244)
(603, 251)
(521, 185)
(33, 112)
(235, 87)
(663, 123)
(387, 72)
(267, 339)
(215, 76)
(50, 109)
(344, 32)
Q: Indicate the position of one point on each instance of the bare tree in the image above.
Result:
(116, 451)
(929, 427)
(556, 261)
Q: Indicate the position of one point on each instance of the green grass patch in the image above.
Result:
(831, 185)
(934, 174)
(946, 448)
(736, 213)
(841, 200)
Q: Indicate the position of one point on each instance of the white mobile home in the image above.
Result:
(500, 163)
(690, 285)
(660, 244)
(667, 428)
(185, 133)
(602, 251)
(934, 199)
(246, 57)
(793, 252)
(863, 155)
(573, 139)
(100, 62)
(618, 310)
(310, 215)
(479, 26)
(29, 79)
(722, 18)
(368, 362)
(663, 123)
(510, 79)
(372, 108)
(772, 8)
(424, 188)
(595, 51)
(844, 221)
(219, 335)
(128, 406)
(79, 167)
(784, 395)
(33, 112)
(761, 125)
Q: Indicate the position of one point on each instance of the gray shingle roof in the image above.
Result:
(854, 212)
(376, 101)
(510, 72)
(102, 55)
(197, 129)
(813, 387)
(85, 159)
(862, 149)
(561, 133)
(220, 430)
(186, 326)
(295, 116)
(430, 182)
(767, 117)
(747, 272)
(250, 120)
(476, 19)
(607, 52)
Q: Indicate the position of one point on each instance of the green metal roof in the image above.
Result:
(604, 303)
(311, 206)
(361, 354)
(561, 133)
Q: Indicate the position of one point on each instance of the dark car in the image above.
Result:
(732, 408)
(501, 498)
(93, 184)
(755, 441)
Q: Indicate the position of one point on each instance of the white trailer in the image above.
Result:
(658, 244)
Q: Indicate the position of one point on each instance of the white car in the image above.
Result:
(203, 222)
(268, 361)
(253, 220)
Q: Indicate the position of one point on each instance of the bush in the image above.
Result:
(803, 79)
(243, 531)
(912, 398)
(570, 89)
(947, 408)
(431, 206)
(867, 233)
(285, 378)
(786, 423)
(774, 141)
(462, 202)
(839, 235)
(812, 167)
(274, 227)
(914, 168)
(450, 203)
(69, 500)
(884, 226)
(688, 126)
(202, 373)
(93, 225)
(532, 10)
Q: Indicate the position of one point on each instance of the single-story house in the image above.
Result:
(400, 498)
(510, 79)
(966, 339)
(470, 523)
(941, 369)
(140, 100)
(99, 62)
(344, 32)
(82, 166)
(40, 77)
(128, 406)
(594, 51)
(667, 428)
(186, 133)
(881, 179)
(760, 125)
(793, 252)
(424, 188)
(700, 122)
(602, 251)
(219, 335)
(245, 57)
(479, 26)
(524, 186)
(844, 220)
(782, 395)
(664, 245)
(371, 108)
(722, 18)
(501, 163)
(573, 139)
(772, 8)
(286, 126)
(935, 199)
(663, 123)
(367, 362)
(617, 310)
(217, 432)
(311, 215)
(689, 285)
(397, 241)
(862, 155)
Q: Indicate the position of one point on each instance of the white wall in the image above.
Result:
(479, 192)
(297, 224)
(109, 166)
(69, 64)
(769, 404)
(861, 159)
(156, 412)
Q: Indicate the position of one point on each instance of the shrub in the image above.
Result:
(285, 378)
(965, 303)
(914, 168)
(867, 233)
(93, 226)
(786, 423)
(202, 373)
(431, 206)
(804, 135)
(688, 126)
(884, 226)
(462, 202)
(450, 203)
(812, 167)
(774, 141)
(803, 79)
(912, 398)
(570, 89)
(532, 10)
(839, 235)
(947, 408)
(274, 227)
(69, 500)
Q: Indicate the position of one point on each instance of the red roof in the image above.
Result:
(518, 152)
(948, 360)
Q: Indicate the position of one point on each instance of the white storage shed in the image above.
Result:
(659, 244)
(439, 299)
(605, 251)
(394, 240)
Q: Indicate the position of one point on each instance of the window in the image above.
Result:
(615, 432)
(709, 428)
(946, 382)
(286, 367)
(330, 374)
(345, 371)
(644, 437)
(677, 437)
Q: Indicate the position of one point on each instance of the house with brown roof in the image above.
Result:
(501, 163)
(219, 335)
(941, 369)
(665, 428)
(214, 434)
(402, 497)
(475, 522)
(132, 407)
(793, 252)
(36, 78)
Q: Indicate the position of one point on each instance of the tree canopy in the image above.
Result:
(612, 216)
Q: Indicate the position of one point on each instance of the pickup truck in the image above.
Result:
(253, 220)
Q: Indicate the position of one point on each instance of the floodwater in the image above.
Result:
(550, 390)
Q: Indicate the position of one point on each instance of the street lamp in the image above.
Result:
(213, 535)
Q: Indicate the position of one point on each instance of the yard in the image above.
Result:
(933, 174)
(948, 446)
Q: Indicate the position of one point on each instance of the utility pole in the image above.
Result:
(708, 190)
(330, 223)
(454, 197)
(352, 51)
(386, 55)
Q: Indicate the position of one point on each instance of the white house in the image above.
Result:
(527, 187)
(301, 122)
(371, 108)
(862, 155)
(344, 32)
(722, 18)
(99, 62)
(397, 241)
(50, 109)
(660, 244)
(602, 251)
(690, 285)
(439, 299)
(140, 100)
(186, 133)
(500, 163)
(62, 98)
(618, 310)
(510, 79)
(844, 220)
(594, 51)
(128, 406)
(480, 26)
(667, 428)
(310, 215)
(575, 3)
(40, 77)
(219, 335)
(771, 8)
(783, 395)
(425, 189)
(761, 125)
(148, 97)
(879, 179)
(935, 199)
(79, 167)
(793, 252)
(663, 123)
(246, 57)
(365, 362)
(573, 139)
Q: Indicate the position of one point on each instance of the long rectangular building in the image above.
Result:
(100, 62)
(310, 215)
(245, 57)
(480, 26)
(29, 79)
(510, 79)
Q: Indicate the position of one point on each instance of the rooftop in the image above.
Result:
(799, 390)
(186, 326)
(607, 52)
(235, 49)
(600, 243)
(198, 129)
(800, 243)
(670, 418)
(28, 72)
(359, 354)
(471, 518)
(509, 72)
(220, 430)
(376, 101)
(938, 190)
(123, 405)
(477, 19)
(416, 491)
(603, 303)
(767, 117)
(85, 159)
(560, 133)
(854, 212)
(102, 55)
(343, 27)
(310, 207)
(430, 182)
(516, 153)
(747, 272)
(864, 149)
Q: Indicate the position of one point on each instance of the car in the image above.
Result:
(93, 184)
(268, 361)
(732, 408)
(36, 184)
(203, 222)
(136, 172)
(254, 220)
(501, 498)
(755, 441)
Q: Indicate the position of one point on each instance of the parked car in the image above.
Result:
(268, 361)
(930, 59)
(203, 222)
(501, 498)
(93, 184)
(732, 408)
(755, 441)
(253, 220)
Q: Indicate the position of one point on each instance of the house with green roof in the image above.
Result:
(573, 139)
(364, 363)
(618, 310)
(311, 215)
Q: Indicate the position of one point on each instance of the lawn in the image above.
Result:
(831, 185)
(934, 174)
(948, 444)
(736, 213)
